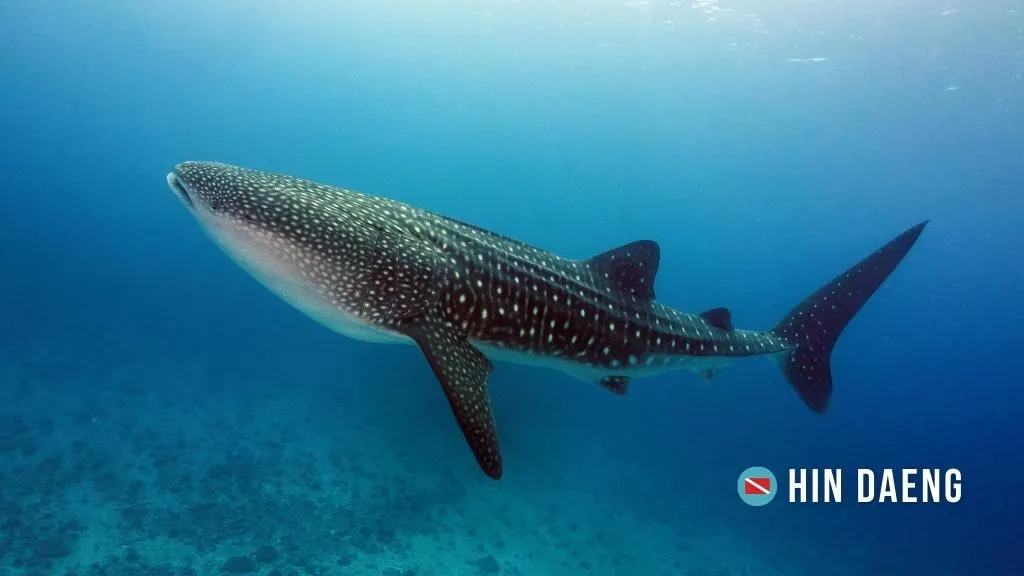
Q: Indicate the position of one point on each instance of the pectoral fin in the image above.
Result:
(462, 371)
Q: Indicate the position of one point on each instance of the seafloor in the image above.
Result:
(118, 464)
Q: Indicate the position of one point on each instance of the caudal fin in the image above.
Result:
(815, 324)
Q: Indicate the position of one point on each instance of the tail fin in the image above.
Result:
(815, 324)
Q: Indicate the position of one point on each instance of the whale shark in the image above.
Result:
(378, 270)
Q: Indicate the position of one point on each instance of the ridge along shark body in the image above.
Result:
(378, 270)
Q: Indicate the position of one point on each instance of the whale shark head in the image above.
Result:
(256, 217)
(311, 244)
(225, 195)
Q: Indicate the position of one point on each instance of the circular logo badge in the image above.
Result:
(757, 486)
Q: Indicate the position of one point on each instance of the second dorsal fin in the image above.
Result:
(630, 268)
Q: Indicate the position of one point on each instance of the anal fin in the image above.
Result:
(462, 371)
(615, 384)
(709, 374)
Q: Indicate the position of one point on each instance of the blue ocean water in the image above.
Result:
(162, 413)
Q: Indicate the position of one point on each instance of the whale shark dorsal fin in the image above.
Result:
(462, 371)
(720, 318)
(630, 269)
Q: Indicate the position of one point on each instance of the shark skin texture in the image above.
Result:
(378, 270)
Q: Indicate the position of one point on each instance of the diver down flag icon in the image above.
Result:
(757, 485)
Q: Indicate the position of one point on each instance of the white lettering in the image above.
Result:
(888, 489)
(952, 485)
(909, 485)
(800, 485)
(833, 485)
(865, 485)
(930, 486)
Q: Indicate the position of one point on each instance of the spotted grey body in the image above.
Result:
(379, 270)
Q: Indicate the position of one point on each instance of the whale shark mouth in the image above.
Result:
(180, 188)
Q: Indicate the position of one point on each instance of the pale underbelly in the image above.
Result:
(253, 254)
(353, 327)
(280, 279)
(350, 325)
(594, 373)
